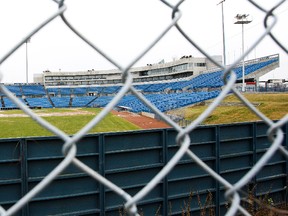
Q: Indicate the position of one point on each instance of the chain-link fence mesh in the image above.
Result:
(233, 192)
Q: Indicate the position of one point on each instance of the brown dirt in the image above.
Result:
(141, 121)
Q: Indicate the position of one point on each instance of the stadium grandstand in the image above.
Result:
(170, 85)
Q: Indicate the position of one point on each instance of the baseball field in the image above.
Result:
(14, 123)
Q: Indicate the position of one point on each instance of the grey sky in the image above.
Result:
(122, 29)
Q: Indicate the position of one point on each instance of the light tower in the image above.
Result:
(242, 19)
(27, 41)
(223, 32)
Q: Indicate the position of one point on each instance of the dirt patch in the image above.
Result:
(141, 121)
(43, 114)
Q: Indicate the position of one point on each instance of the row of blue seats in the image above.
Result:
(27, 90)
(163, 102)
(39, 102)
(84, 90)
(39, 90)
(32, 102)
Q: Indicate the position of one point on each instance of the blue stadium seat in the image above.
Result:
(61, 102)
(81, 101)
(9, 104)
(15, 89)
(39, 102)
(29, 90)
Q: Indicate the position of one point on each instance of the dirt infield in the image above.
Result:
(141, 121)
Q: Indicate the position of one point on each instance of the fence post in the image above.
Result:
(165, 180)
(254, 159)
(24, 172)
(217, 164)
(285, 128)
(102, 172)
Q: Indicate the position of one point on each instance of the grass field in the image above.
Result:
(14, 123)
(274, 106)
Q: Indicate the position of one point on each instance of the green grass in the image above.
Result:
(26, 127)
(274, 106)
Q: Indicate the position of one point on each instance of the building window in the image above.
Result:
(200, 64)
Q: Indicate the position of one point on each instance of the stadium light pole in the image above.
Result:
(223, 32)
(242, 19)
(27, 41)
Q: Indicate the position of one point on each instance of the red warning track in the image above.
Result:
(141, 121)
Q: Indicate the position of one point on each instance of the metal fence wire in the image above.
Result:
(233, 191)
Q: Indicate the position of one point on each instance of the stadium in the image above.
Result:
(169, 86)
(182, 166)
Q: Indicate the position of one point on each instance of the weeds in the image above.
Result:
(263, 205)
(255, 206)
(206, 208)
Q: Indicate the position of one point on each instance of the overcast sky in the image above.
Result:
(123, 28)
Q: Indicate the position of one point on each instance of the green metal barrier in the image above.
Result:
(130, 160)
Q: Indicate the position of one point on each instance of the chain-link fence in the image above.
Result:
(233, 192)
